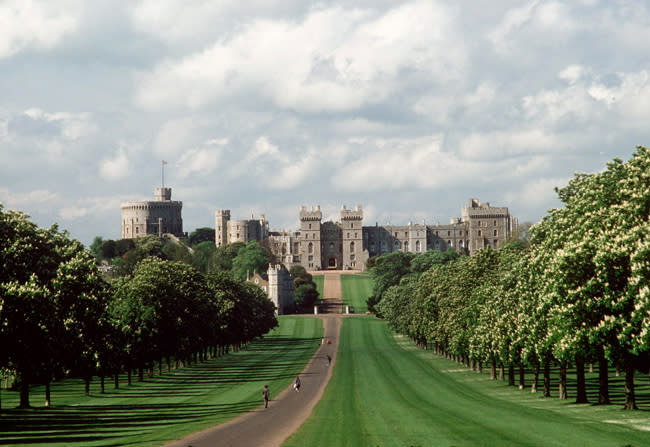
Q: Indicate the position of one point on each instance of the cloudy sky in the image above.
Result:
(408, 108)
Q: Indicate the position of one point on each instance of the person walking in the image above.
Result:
(296, 384)
(265, 393)
(329, 360)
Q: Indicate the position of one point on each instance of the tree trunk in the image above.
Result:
(169, 363)
(547, 378)
(24, 392)
(522, 381)
(493, 369)
(101, 383)
(87, 386)
(603, 378)
(511, 375)
(533, 385)
(581, 384)
(630, 398)
(128, 376)
(160, 363)
(480, 367)
(116, 380)
(48, 394)
(140, 374)
(562, 394)
(502, 372)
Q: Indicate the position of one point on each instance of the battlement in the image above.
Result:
(313, 214)
(356, 214)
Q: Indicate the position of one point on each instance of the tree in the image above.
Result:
(387, 271)
(203, 234)
(250, 258)
(49, 299)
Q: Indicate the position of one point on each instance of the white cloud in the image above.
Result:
(335, 59)
(199, 162)
(508, 143)
(35, 24)
(96, 206)
(115, 168)
(572, 73)
(416, 163)
(27, 200)
(536, 192)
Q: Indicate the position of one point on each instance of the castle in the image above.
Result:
(347, 244)
(278, 285)
(157, 217)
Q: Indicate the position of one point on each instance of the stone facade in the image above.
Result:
(347, 244)
(162, 216)
(228, 231)
(278, 285)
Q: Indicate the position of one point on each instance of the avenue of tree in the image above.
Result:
(161, 305)
(576, 292)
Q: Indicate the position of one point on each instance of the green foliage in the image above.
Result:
(250, 258)
(305, 296)
(224, 255)
(50, 302)
(200, 235)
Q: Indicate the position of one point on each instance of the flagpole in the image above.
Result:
(163, 173)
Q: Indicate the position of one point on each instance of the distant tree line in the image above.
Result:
(60, 316)
(578, 293)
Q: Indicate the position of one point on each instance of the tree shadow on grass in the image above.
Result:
(93, 423)
(153, 408)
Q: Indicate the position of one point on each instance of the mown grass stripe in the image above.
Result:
(164, 408)
(386, 392)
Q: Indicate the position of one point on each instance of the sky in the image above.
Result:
(407, 108)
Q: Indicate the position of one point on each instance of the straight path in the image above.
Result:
(269, 427)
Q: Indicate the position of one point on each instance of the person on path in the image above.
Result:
(329, 360)
(296, 384)
(265, 393)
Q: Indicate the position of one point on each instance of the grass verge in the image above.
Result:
(355, 290)
(386, 392)
(166, 407)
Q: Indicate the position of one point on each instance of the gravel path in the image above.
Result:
(287, 411)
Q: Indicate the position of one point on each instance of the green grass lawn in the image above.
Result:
(318, 280)
(386, 392)
(165, 407)
(356, 289)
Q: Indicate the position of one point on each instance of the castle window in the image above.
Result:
(351, 225)
(448, 233)
(310, 226)
(449, 243)
(480, 233)
(137, 230)
(406, 245)
(352, 257)
(352, 246)
(496, 232)
(495, 223)
(397, 245)
(355, 235)
(406, 234)
(310, 248)
(495, 243)
(310, 258)
(348, 236)
(417, 246)
(331, 247)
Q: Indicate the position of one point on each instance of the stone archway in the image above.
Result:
(332, 263)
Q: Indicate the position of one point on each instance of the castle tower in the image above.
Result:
(487, 225)
(162, 216)
(352, 229)
(221, 217)
(310, 238)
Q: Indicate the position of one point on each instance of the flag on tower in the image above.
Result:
(164, 162)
